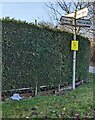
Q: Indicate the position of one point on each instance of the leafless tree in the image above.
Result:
(61, 7)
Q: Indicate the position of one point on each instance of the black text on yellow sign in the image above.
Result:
(74, 45)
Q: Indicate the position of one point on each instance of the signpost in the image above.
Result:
(79, 22)
(79, 14)
(66, 20)
(73, 20)
(83, 23)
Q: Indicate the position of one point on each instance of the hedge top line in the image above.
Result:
(7, 19)
(29, 24)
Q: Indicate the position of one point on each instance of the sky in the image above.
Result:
(28, 11)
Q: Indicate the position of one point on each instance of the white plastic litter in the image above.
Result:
(16, 97)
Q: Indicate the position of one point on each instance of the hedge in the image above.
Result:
(39, 55)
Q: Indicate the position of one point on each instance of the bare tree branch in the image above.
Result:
(64, 6)
(68, 7)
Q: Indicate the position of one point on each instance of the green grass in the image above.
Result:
(78, 101)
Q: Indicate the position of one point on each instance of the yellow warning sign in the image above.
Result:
(74, 45)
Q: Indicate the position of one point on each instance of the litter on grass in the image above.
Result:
(16, 96)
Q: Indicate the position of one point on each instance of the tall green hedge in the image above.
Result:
(32, 54)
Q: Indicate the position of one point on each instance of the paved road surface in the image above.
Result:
(91, 69)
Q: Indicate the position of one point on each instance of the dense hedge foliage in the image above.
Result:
(32, 54)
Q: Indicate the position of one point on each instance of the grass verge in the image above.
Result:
(78, 102)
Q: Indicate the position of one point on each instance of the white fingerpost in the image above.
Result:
(81, 22)
(74, 54)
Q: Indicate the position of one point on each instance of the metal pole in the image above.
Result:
(74, 54)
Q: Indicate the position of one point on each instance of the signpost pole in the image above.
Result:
(76, 15)
(74, 54)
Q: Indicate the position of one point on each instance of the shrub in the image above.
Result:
(39, 55)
